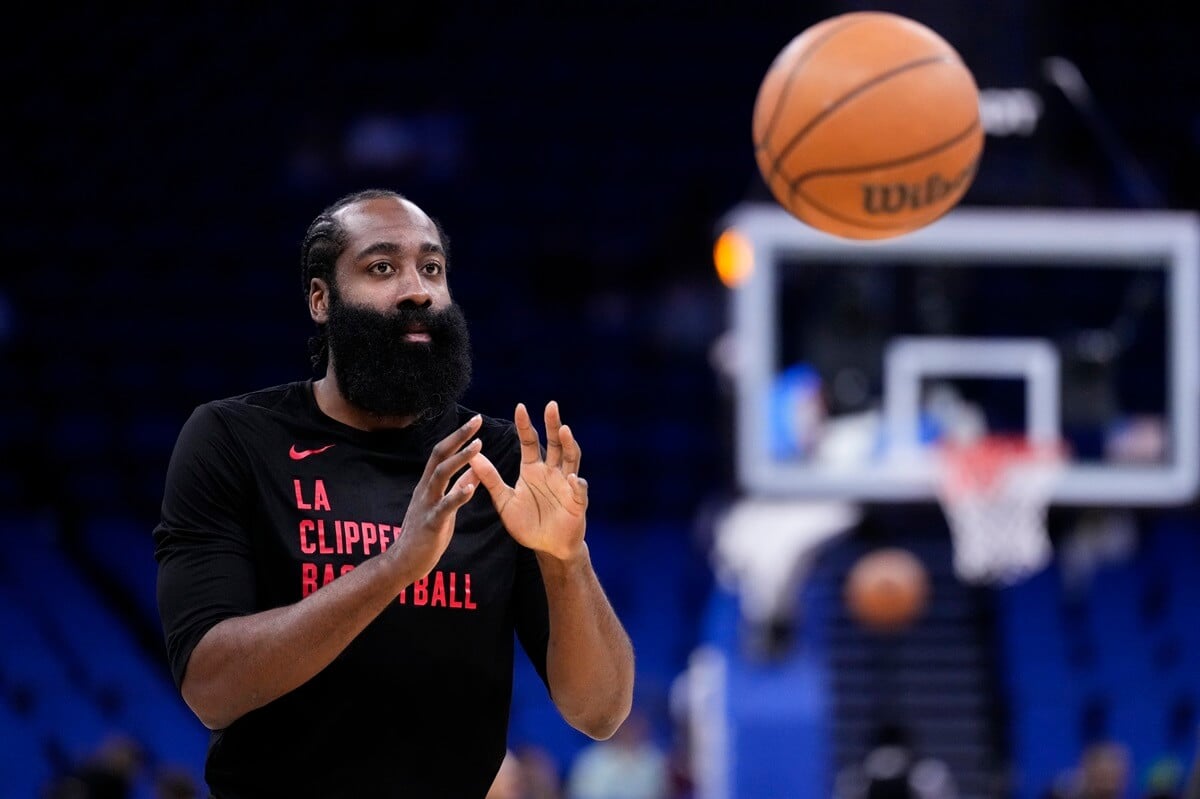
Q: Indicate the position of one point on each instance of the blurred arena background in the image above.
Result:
(162, 164)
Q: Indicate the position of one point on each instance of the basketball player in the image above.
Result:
(338, 597)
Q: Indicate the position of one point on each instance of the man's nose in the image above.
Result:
(411, 289)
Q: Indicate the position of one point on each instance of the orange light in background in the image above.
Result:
(734, 258)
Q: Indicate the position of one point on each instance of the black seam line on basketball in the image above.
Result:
(848, 96)
(860, 223)
(794, 184)
(794, 188)
(791, 76)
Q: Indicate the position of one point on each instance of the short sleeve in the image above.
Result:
(202, 543)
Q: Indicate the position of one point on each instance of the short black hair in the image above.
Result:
(323, 244)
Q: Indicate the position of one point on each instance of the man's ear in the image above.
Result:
(318, 300)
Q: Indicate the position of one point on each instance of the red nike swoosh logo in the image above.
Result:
(301, 454)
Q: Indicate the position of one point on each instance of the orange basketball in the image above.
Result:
(887, 589)
(866, 126)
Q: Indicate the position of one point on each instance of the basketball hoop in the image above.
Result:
(995, 492)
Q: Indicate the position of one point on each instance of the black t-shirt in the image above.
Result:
(267, 499)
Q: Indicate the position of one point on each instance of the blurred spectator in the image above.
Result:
(542, 780)
(1104, 771)
(1163, 779)
(510, 780)
(680, 777)
(630, 765)
(109, 773)
(175, 783)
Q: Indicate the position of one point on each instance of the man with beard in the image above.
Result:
(338, 600)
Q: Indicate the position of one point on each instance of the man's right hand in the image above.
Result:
(429, 522)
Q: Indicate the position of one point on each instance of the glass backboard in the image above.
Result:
(855, 358)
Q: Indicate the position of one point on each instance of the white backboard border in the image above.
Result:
(1091, 237)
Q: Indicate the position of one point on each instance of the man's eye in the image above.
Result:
(382, 267)
(433, 267)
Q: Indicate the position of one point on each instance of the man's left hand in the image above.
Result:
(546, 509)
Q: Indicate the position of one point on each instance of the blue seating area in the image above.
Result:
(73, 671)
(72, 674)
(123, 548)
(1120, 660)
(1117, 661)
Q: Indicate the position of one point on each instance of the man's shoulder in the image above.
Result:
(251, 413)
(283, 397)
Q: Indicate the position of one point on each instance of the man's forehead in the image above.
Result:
(386, 218)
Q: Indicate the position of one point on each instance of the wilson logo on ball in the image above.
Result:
(894, 198)
(867, 126)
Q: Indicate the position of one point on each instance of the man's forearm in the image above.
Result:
(589, 659)
(245, 662)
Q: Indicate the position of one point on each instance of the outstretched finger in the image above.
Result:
(448, 447)
(461, 492)
(442, 473)
(531, 451)
(488, 476)
(571, 453)
(554, 450)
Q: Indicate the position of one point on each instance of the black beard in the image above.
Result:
(382, 373)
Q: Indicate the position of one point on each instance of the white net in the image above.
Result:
(995, 493)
